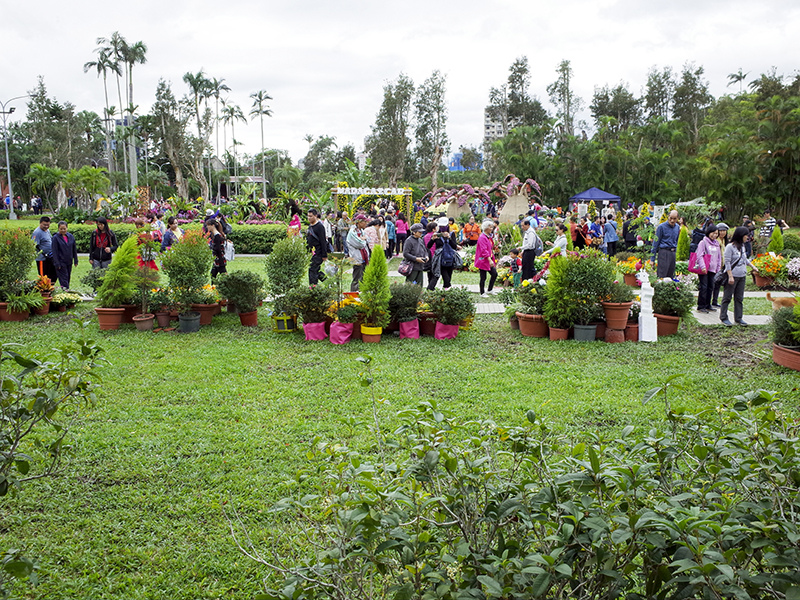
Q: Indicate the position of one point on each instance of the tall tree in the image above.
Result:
(737, 77)
(133, 54)
(523, 109)
(659, 93)
(692, 99)
(431, 125)
(388, 143)
(173, 121)
(230, 114)
(618, 103)
(261, 110)
(566, 102)
(200, 89)
(113, 47)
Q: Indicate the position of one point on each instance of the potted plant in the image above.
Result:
(785, 330)
(587, 313)
(559, 307)
(532, 298)
(311, 303)
(632, 327)
(374, 296)
(672, 300)
(145, 279)
(17, 254)
(345, 313)
(44, 286)
(286, 266)
(769, 268)
(118, 285)
(629, 267)
(18, 307)
(245, 289)
(617, 306)
(450, 307)
(206, 302)
(188, 266)
(403, 305)
(161, 303)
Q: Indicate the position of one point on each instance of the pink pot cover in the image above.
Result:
(341, 333)
(445, 332)
(409, 330)
(314, 331)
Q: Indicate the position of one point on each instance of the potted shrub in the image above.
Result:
(450, 307)
(532, 298)
(374, 296)
(118, 285)
(403, 305)
(245, 289)
(346, 313)
(311, 303)
(785, 330)
(145, 279)
(286, 266)
(769, 269)
(617, 305)
(206, 302)
(632, 327)
(672, 300)
(559, 307)
(161, 303)
(587, 313)
(18, 307)
(188, 266)
(17, 254)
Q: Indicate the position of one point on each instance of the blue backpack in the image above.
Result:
(448, 255)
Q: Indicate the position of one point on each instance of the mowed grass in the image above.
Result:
(187, 424)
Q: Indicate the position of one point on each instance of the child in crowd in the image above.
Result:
(516, 266)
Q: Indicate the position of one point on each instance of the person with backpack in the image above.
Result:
(217, 243)
(102, 245)
(531, 248)
(317, 242)
(444, 245)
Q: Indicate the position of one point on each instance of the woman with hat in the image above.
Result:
(722, 240)
(415, 252)
(358, 249)
(484, 258)
(709, 258)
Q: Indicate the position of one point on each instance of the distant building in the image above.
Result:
(492, 130)
(361, 160)
(454, 164)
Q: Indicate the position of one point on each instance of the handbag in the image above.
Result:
(405, 267)
(694, 265)
(722, 276)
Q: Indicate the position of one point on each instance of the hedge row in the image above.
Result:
(247, 239)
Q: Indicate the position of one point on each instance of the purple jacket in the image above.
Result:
(708, 254)
(484, 253)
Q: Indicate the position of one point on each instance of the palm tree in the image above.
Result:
(260, 110)
(737, 77)
(230, 114)
(133, 54)
(216, 88)
(103, 65)
(113, 47)
(200, 87)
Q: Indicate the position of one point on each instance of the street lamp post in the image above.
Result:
(11, 215)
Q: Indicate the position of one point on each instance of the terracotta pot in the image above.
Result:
(6, 315)
(585, 333)
(445, 332)
(357, 328)
(558, 334)
(131, 310)
(328, 323)
(409, 330)
(616, 314)
(514, 323)
(615, 336)
(427, 324)
(144, 322)
(667, 325)
(163, 319)
(284, 323)
(371, 335)
(249, 319)
(46, 308)
(63, 308)
(786, 357)
(532, 325)
(600, 332)
(630, 280)
(341, 333)
(392, 326)
(217, 308)
(207, 312)
(763, 282)
(632, 332)
(109, 318)
(314, 332)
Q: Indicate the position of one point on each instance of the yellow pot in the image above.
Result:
(369, 330)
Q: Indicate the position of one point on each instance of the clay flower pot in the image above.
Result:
(763, 282)
(131, 310)
(630, 279)
(7, 315)
(45, 308)
(632, 332)
(207, 312)
(371, 335)
(786, 357)
(427, 323)
(144, 322)
(667, 325)
(615, 336)
(109, 318)
(513, 322)
(532, 325)
(163, 319)
(558, 334)
(249, 319)
(616, 314)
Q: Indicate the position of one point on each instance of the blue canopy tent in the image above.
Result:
(599, 196)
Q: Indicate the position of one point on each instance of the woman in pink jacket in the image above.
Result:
(484, 258)
(709, 258)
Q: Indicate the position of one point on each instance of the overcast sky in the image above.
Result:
(325, 63)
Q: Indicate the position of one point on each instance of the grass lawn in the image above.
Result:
(186, 423)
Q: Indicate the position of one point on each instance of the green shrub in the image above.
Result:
(245, 289)
(94, 278)
(775, 241)
(450, 307)
(700, 506)
(532, 297)
(684, 245)
(17, 253)
(791, 241)
(286, 266)
(781, 326)
(310, 302)
(404, 301)
(559, 309)
(118, 286)
(590, 277)
(374, 291)
(188, 266)
(672, 298)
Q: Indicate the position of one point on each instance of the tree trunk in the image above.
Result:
(61, 196)
(437, 159)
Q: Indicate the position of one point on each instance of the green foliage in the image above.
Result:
(374, 291)
(559, 309)
(25, 302)
(404, 301)
(286, 266)
(348, 313)
(17, 253)
(532, 297)
(776, 242)
(620, 293)
(94, 278)
(591, 276)
(521, 512)
(452, 306)
(682, 251)
(244, 288)
(791, 241)
(310, 302)
(781, 326)
(672, 298)
(188, 266)
(118, 286)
